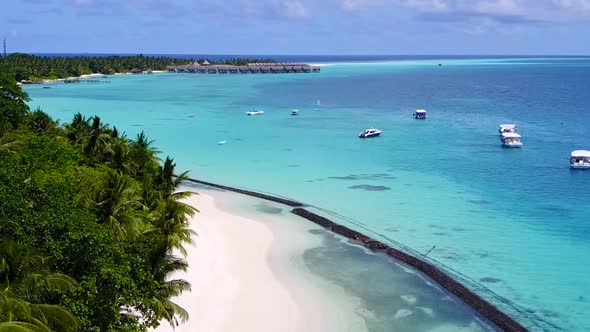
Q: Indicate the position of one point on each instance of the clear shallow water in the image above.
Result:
(515, 221)
(384, 295)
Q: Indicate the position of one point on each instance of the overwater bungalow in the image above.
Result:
(222, 69)
(269, 67)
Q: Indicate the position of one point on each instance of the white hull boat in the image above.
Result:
(506, 128)
(511, 140)
(580, 159)
(420, 114)
(255, 112)
(370, 132)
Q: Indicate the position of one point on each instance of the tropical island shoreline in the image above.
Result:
(238, 288)
(279, 297)
(420, 264)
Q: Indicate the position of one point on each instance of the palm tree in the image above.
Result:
(98, 144)
(120, 155)
(116, 205)
(168, 183)
(41, 123)
(170, 225)
(164, 266)
(143, 161)
(9, 144)
(19, 315)
(79, 129)
(26, 283)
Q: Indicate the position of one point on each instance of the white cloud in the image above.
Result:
(583, 5)
(511, 11)
(507, 7)
(293, 9)
(83, 3)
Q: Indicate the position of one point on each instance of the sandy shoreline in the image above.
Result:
(233, 288)
(81, 77)
(248, 275)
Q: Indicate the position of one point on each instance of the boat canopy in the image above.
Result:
(507, 126)
(420, 111)
(511, 135)
(581, 153)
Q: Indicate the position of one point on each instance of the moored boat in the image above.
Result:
(295, 112)
(511, 140)
(370, 132)
(255, 112)
(580, 159)
(420, 114)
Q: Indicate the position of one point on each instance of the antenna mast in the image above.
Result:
(5, 47)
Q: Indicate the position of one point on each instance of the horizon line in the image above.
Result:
(332, 55)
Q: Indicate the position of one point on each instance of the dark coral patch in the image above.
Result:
(369, 187)
(268, 209)
(479, 202)
(490, 280)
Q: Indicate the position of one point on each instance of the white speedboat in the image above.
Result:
(255, 112)
(506, 128)
(420, 114)
(580, 159)
(511, 140)
(370, 132)
(295, 112)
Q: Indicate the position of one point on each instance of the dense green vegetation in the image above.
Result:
(31, 67)
(89, 221)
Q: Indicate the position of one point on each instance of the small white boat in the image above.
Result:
(318, 105)
(255, 112)
(295, 112)
(506, 128)
(420, 114)
(580, 159)
(511, 140)
(221, 142)
(370, 132)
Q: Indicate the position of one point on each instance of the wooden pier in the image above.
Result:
(251, 68)
(66, 81)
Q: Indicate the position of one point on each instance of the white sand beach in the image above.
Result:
(235, 289)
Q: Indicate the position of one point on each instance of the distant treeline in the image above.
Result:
(31, 67)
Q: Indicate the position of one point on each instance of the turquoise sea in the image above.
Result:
(512, 223)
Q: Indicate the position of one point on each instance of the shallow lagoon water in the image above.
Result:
(511, 220)
(319, 266)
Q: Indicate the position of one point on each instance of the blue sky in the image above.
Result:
(298, 26)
